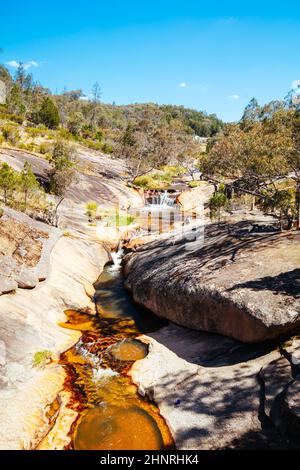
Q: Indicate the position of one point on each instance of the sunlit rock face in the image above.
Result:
(2, 92)
(239, 283)
(218, 393)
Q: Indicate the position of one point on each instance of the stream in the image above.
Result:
(111, 413)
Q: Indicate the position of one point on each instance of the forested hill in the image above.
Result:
(198, 122)
(82, 116)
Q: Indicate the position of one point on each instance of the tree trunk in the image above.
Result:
(298, 207)
(56, 210)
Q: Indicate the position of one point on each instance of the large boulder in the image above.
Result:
(236, 282)
(195, 199)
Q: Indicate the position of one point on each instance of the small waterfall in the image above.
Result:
(117, 259)
(161, 200)
(165, 199)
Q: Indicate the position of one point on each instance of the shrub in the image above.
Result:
(195, 184)
(64, 133)
(30, 146)
(12, 117)
(41, 358)
(173, 171)
(10, 134)
(107, 148)
(153, 181)
(91, 209)
(92, 145)
(44, 148)
(48, 114)
(217, 202)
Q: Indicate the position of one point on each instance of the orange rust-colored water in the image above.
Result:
(112, 415)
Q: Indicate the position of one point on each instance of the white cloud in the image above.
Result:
(182, 85)
(31, 63)
(234, 97)
(26, 65)
(12, 63)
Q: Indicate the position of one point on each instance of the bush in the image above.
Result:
(41, 358)
(195, 184)
(173, 171)
(12, 117)
(35, 131)
(44, 148)
(64, 133)
(217, 202)
(92, 145)
(153, 181)
(48, 114)
(107, 148)
(31, 147)
(91, 209)
(10, 134)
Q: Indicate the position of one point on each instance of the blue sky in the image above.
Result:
(211, 56)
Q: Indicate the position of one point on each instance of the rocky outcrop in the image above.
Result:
(29, 322)
(234, 281)
(208, 388)
(25, 248)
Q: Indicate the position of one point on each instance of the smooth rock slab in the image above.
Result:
(206, 407)
(226, 283)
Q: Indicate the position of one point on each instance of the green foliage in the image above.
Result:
(117, 219)
(8, 180)
(16, 184)
(153, 181)
(41, 358)
(16, 100)
(173, 171)
(91, 209)
(10, 134)
(92, 144)
(48, 114)
(12, 117)
(217, 202)
(195, 184)
(281, 202)
(62, 174)
(27, 181)
(44, 148)
(107, 148)
(75, 123)
(30, 146)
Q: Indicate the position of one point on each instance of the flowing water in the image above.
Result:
(112, 415)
